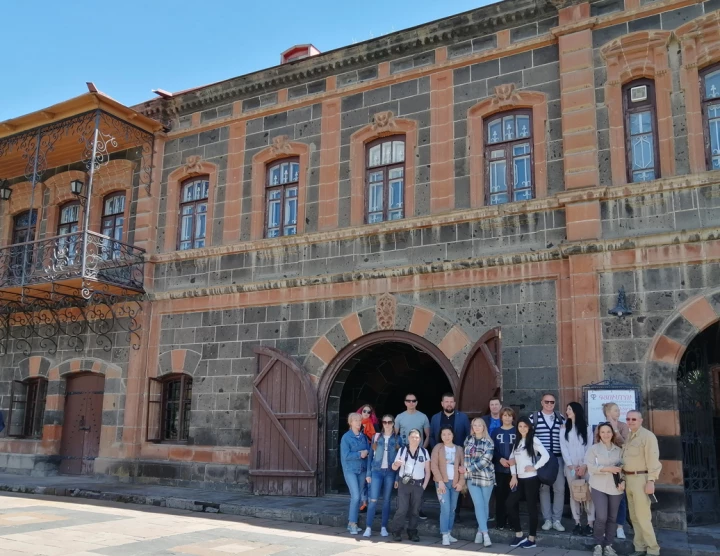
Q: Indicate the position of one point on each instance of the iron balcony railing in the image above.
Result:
(61, 258)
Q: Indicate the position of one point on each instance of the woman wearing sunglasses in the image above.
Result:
(369, 425)
(380, 475)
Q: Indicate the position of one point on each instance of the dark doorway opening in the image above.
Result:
(380, 375)
(698, 381)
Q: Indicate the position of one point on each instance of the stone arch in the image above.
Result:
(178, 361)
(281, 148)
(34, 366)
(639, 54)
(384, 124)
(194, 167)
(85, 364)
(506, 98)
(425, 323)
(58, 187)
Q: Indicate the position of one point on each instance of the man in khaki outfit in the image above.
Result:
(641, 467)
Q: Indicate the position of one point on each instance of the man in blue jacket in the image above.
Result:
(448, 417)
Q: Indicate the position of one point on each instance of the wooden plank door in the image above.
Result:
(80, 443)
(481, 377)
(283, 460)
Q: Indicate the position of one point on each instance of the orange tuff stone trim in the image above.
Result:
(583, 220)
(385, 125)
(281, 148)
(671, 473)
(700, 313)
(329, 165)
(453, 342)
(324, 350)
(666, 350)
(501, 102)
(420, 321)
(233, 188)
(177, 358)
(351, 326)
(665, 422)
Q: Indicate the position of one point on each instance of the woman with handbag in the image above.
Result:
(480, 475)
(574, 442)
(446, 462)
(354, 450)
(380, 475)
(525, 481)
(607, 487)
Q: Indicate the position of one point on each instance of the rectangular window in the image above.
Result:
(710, 93)
(169, 400)
(27, 408)
(641, 131)
(385, 163)
(508, 157)
(282, 198)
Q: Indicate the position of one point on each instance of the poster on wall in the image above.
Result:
(626, 396)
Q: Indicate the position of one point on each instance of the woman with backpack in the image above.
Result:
(574, 442)
(380, 474)
(525, 482)
(354, 450)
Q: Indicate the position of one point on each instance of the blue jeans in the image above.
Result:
(448, 502)
(622, 511)
(481, 500)
(354, 482)
(382, 484)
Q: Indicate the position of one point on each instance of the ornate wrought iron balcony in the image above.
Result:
(72, 260)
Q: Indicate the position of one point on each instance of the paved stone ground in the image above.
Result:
(328, 511)
(54, 526)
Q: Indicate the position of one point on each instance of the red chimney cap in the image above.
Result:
(298, 52)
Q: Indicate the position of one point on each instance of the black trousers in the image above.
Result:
(409, 500)
(530, 487)
(502, 492)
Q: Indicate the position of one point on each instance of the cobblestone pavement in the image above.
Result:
(45, 525)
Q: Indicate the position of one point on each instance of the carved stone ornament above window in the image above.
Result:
(193, 164)
(505, 95)
(386, 309)
(280, 145)
(383, 121)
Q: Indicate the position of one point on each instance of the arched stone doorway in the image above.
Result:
(378, 368)
(698, 380)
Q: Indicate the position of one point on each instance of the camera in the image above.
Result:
(406, 479)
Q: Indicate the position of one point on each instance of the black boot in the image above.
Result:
(413, 535)
(396, 536)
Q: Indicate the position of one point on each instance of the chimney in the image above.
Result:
(298, 52)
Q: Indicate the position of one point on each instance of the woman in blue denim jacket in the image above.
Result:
(380, 473)
(354, 450)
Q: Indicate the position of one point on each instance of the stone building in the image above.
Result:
(453, 207)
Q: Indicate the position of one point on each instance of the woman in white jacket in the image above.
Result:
(524, 481)
(574, 443)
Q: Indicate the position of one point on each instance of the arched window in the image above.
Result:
(710, 94)
(169, 408)
(69, 224)
(113, 218)
(24, 225)
(385, 179)
(641, 138)
(27, 408)
(281, 192)
(508, 157)
(193, 213)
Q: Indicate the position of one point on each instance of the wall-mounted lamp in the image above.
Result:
(5, 190)
(76, 188)
(621, 309)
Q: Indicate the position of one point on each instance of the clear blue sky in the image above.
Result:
(129, 47)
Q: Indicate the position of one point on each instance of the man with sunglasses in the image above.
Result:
(641, 467)
(547, 423)
(411, 419)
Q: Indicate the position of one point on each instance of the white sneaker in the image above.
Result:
(547, 525)
(486, 540)
(368, 532)
(478, 538)
(384, 532)
(598, 550)
(446, 541)
(620, 533)
(557, 526)
(353, 528)
(452, 539)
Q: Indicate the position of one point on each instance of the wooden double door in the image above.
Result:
(80, 443)
(286, 425)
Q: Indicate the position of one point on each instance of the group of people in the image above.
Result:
(610, 468)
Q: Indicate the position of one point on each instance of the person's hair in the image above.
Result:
(379, 434)
(606, 407)
(549, 394)
(414, 431)
(507, 411)
(579, 422)
(352, 415)
(615, 437)
(493, 399)
(446, 428)
(447, 395)
(637, 411)
(529, 438)
(411, 394)
(484, 424)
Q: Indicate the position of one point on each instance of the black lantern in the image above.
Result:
(5, 190)
(621, 309)
(76, 186)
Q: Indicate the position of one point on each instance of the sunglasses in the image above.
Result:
(633, 419)
(367, 411)
(604, 423)
(411, 401)
(549, 402)
(387, 422)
